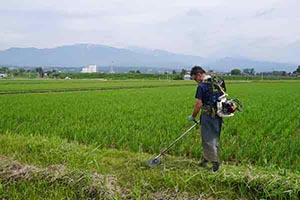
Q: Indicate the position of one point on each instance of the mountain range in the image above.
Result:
(80, 55)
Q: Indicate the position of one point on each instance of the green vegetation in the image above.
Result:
(48, 85)
(107, 133)
(60, 170)
(65, 85)
(297, 70)
(236, 72)
(17, 73)
(123, 76)
(236, 75)
(134, 120)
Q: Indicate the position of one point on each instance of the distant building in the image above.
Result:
(89, 69)
(111, 71)
(3, 75)
(187, 77)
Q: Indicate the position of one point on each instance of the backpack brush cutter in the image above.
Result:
(153, 162)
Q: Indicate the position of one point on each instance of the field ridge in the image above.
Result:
(90, 89)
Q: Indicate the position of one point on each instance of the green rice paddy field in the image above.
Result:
(94, 144)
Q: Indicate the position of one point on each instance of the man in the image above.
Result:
(210, 122)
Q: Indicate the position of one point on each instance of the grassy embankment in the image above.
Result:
(50, 167)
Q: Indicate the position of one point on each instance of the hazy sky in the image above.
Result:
(260, 29)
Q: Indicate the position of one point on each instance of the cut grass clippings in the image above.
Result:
(88, 185)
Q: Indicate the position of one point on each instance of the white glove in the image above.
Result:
(191, 118)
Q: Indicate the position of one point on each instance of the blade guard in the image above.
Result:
(153, 162)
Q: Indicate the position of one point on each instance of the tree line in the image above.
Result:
(38, 72)
(251, 72)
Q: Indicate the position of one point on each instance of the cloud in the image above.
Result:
(194, 12)
(262, 13)
(255, 28)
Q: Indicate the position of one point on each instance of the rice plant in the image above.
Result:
(147, 120)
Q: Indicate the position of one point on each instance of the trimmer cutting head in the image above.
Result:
(153, 162)
(239, 105)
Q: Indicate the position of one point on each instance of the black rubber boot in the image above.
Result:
(203, 163)
(215, 166)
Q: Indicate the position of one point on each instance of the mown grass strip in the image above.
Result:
(45, 85)
(175, 176)
(88, 89)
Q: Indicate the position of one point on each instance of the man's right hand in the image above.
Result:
(191, 118)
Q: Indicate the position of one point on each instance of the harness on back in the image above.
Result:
(218, 104)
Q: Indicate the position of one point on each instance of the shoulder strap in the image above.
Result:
(205, 86)
(219, 84)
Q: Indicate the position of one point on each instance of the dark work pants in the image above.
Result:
(210, 131)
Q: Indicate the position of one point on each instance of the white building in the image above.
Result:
(187, 77)
(89, 69)
(3, 75)
(111, 71)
